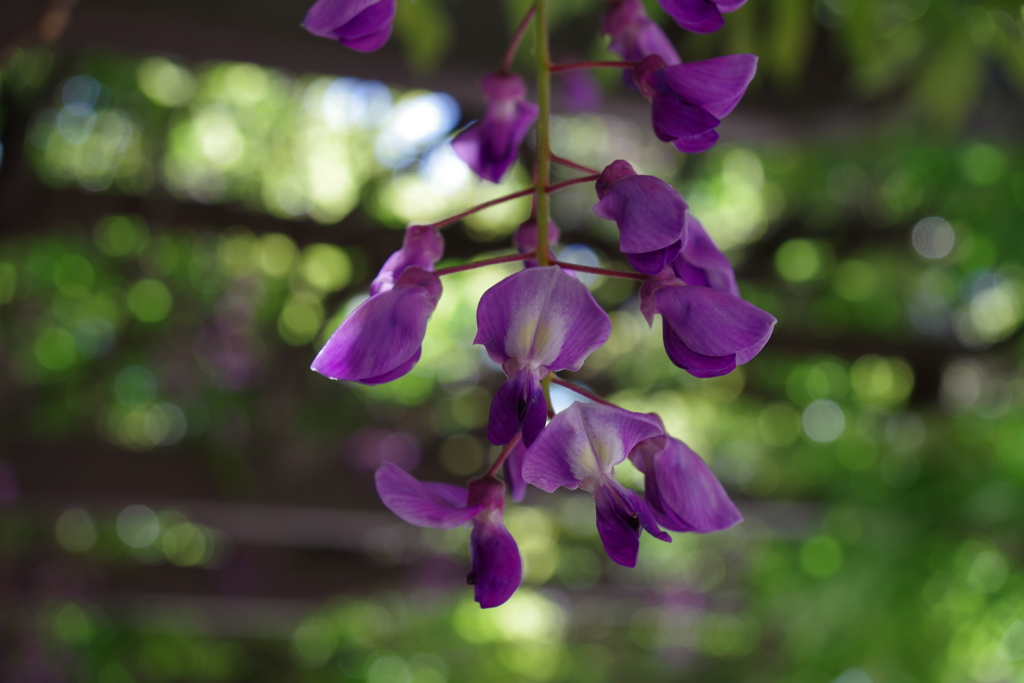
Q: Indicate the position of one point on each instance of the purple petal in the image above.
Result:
(654, 262)
(541, 317)
(634, 35)
(584, 443)
(422, 246)
(694, 363)
(727, 6)
(713, 323)
(362, 25)
(675, 118)
(430, 504)
(695, 144)
(518, 404)
(513, 470)
(381, 340)
(497, 569)
(702, 264)
(699, 16)
(684, 493)
(716, 84)
(618, 528)
(491, 146)
(649, 213)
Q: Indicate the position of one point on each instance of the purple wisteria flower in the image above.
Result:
(700, 16)
(362, 25)
(491, 145)
(382, 339)
(536, 321)
(422, 246)
(707, 332)
(689, 100)
(496, 568)
(513, 471)
(580, 449)
(682, 492)
(634, 35)
(650, 214)
(702, 263)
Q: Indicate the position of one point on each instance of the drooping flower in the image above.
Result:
(422, 246)
(381, 340)
(701, 262)
(650, 214)
(491, 145)
(580, 449)
(700, 16)
(496, 568)
(707, 332)
(689, 100)
(361, 25)
(634, 35)
(536, 321)
(682, 492)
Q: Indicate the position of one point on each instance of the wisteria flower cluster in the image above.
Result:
(542, 320)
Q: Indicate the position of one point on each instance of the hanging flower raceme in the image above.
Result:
(682, 492)
(497, 569)
(537, 321)
(650, 214)
(381, 340)
(361, 25)
(580, 449)
(689, 100)
(701, 262)
(634, 35)
(491, 145)
(700, 16)
(707, 332)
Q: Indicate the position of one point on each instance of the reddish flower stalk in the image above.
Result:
(493, 470)
(576, 66)
(517, 38)
(580, 390)
(600, 271)
(485, 262)
(572, 164)
(574, 181)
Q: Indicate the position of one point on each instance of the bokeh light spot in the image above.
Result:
(823, 421)
(150, 300)
(138, 526)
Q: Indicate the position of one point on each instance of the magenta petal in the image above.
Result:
(694, 144)
(519, 404)
(429, 504)
(655, 261)
(618, 528)
(684, 493)
(649, 213)
(363, 25)
(675, 118)
(513, 470)
(583, 443)
(497, 569)
(634, 36)
(713, 323)
(702, 264)
(422, 246)
(716, 84)
(699, 16)
(384, 334)
(543, 318)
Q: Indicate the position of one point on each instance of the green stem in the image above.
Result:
(543, 133)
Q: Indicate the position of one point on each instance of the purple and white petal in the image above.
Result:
(583, 443)
(382, 338)
(541, 318)
(428, 504)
